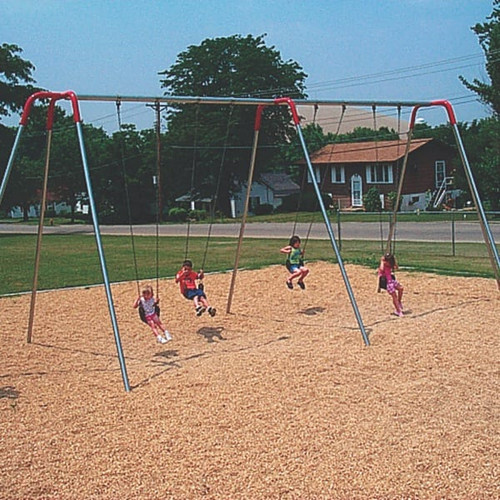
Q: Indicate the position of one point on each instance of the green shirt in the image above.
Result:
(295, 256)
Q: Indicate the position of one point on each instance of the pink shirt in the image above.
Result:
(386, 271)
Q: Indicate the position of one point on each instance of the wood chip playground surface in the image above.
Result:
(279, 399)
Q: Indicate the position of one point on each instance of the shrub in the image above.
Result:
(308, 202)
(391, 198)
(198, 214)
(264, 209)
(371, 200)
(177, 214)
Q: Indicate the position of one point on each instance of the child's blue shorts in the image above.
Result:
(293, 267)
(191, 293)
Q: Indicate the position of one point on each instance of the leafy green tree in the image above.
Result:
(481, 141)
(15, 86)
(489, 38)
(123, 180)
(292, 152)
(26, 176)
(67, 181)
(361, 134)
(15, 79)
(229, 66)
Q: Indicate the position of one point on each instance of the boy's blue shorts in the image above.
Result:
(293, 267)
(191, 293)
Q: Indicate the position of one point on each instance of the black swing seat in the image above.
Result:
(142, 314)
(382, 281)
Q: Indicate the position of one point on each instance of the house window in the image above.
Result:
(337, 175)
(379, 174)
(316, 174)
(440, 171)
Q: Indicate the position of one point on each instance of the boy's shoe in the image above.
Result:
(200, 310)
(289, 284)
(399, 313)
(168, 337)
(212, 311)
(301, 284)
(161, 340)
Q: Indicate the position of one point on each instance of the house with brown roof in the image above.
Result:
(346, 171)
(269, 189)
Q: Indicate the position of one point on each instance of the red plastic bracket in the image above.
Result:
(54, 96)
(446, 104)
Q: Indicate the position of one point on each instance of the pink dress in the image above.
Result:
(392, 283)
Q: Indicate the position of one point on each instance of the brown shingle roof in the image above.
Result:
(365, 152)
(280, 183)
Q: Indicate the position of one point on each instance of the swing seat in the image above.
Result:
(382, 281)
(142, 314)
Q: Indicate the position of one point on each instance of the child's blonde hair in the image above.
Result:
(148, 289)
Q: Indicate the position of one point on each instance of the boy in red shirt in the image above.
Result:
(186, 278)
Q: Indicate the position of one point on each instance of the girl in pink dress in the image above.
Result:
(388, 281)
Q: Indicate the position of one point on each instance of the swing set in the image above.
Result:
(261, 105)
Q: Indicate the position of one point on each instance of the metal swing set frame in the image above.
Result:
(260, 104)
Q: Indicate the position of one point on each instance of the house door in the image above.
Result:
(356, 191)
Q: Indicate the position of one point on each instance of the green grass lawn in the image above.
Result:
(72, 260)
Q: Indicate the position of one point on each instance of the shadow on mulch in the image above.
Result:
(8, 392)
(211, 333)
(312, 311)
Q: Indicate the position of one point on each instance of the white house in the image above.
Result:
(269, 189)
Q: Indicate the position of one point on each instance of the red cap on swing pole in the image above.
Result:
(293, 108)
(54, 96)
(258, 117)
(277, 101)
(446, 104)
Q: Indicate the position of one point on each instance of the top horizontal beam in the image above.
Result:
(244, 101)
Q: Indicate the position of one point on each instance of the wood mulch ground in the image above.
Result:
(279, 399)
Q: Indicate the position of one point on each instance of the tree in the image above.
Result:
(26, 177)
(489, 39)
(229, 66)
(15, 79)
(481, 140)
(361, 134)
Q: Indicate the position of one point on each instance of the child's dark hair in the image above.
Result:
(187, 263)
(293, 240)
(389, 257)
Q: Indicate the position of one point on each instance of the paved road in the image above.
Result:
(406, 231)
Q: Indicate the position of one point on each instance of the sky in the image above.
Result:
(377, 50)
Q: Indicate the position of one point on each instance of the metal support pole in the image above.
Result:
(43, 204)
(453, 246)
(10, 163)
(487, 234)
(245, 209)
(332, 238)
(339, 230)
(102, 260)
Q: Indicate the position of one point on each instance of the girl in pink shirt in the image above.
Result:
(147, 302)
(388, 281)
